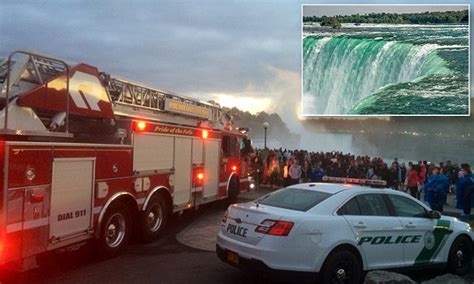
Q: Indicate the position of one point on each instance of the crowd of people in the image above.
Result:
(283, 167)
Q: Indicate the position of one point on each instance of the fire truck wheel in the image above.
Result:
(154, 219)
(115, 231)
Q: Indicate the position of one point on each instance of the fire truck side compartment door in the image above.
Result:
(183, 172)
(197, 151)
(71, 197)
(211, 165)
(152, 152)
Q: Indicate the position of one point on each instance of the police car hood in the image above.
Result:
(244, 218)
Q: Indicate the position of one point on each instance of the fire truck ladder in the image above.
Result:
(129, 99)
(29, 70)
(133, 97)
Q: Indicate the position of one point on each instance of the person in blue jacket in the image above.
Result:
(465, 190)
(447, 186)
(436, 188)
(317, 173)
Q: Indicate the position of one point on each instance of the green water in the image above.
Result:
(385, 70)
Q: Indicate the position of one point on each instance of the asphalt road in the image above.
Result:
(164, 261)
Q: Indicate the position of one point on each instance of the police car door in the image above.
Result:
(426, 241)
(375, 230)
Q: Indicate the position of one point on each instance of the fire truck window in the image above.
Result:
(230, 146)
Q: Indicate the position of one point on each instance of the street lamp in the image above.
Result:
(265, 126)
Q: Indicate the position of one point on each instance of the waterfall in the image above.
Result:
(340, 71)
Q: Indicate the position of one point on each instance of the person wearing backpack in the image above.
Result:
(435, 189)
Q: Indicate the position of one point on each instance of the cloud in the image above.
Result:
(244, 102)
(177, 45)
(286, 88)
(280, 93)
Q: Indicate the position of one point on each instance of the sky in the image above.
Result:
(239, 53)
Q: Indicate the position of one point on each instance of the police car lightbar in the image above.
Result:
(355, 181)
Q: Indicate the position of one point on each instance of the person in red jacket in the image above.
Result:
(422, 172)
(413, 181)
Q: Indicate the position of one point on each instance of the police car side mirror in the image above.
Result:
(433, 214)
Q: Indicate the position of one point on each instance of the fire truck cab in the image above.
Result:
(90, 156)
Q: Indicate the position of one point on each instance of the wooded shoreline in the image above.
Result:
(449, 17)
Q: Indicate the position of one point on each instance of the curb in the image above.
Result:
(202, 233)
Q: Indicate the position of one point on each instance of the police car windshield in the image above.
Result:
(294, 199)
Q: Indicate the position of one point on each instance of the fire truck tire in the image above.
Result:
(153, 219)
(115, 230)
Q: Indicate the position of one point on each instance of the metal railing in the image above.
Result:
(47, 66)
(136, 95)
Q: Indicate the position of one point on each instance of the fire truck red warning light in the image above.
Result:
(204, 134)
(200, 176)
(141, 125)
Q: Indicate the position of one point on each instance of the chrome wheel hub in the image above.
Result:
(111, 230)
(115, 230)
(151, 217)
(155, 217)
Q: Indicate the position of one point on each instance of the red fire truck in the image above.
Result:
(90, 156)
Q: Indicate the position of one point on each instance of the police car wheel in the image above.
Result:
(115, 230)
(342, 266)
(153, 219)
(460, 256)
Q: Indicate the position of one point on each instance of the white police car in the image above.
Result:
(338, 231)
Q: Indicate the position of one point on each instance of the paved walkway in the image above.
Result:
(202, 233)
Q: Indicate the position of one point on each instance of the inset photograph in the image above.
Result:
(385, 60)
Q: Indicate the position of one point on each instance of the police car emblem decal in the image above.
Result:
(429, 240)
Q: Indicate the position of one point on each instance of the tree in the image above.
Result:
(278, 130)
(452, 19)
(331, 22)
(448, 17)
